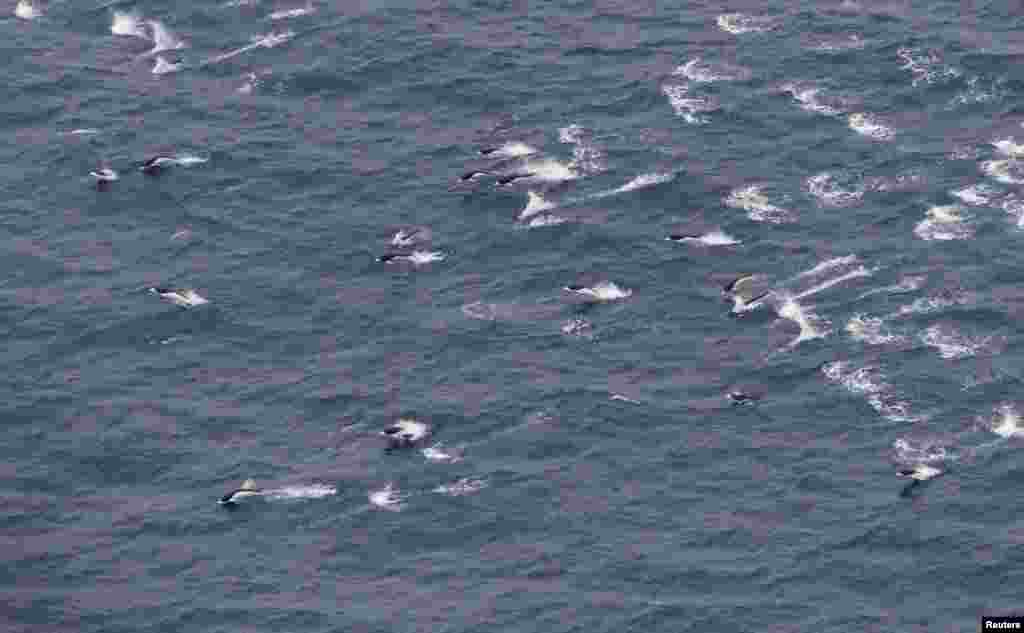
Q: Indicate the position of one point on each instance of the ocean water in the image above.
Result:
(584, 467)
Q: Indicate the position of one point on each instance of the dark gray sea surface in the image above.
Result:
(612, 442)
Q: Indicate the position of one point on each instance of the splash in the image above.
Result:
(868, 125)
(752, 200)
(811, 326)
(691, 108)
(462, 487)
(810, 100)
(830, 193)
(870, 330)
(438, 454)
(944, 223)
(739, 23)
(26, 10)
(953, 345)
(162, 67)
(925, 66)
(1006, 421)
(128, 24)
(313, 491)
(701, 71)
(1009, 171)
(870, 382)
(387, 498)
(535, 203)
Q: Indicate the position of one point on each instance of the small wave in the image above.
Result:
(535, 203)
(925, 66)
(462, 487)
(1009, 171)
(756, 204)
(313, 491)
(284, 14)
(831, 193)
(811, 326)
(705, 72)
(951, 344)
(437, 453)
(387, 498)
(868, 125)
(690, 107)
(944, 223)
(1006, 421)
(87, 131)
(870, 330)
(162, 67)
(26, 10)
(270, 40)
(480, 311)
(128, 24)
(978, 195)
(578, 327)
(605, 291)
(739, 23)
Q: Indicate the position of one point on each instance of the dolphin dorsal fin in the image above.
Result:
(248, 484)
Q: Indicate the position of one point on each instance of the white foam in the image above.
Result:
(870, 330)
(570, 133)
(162, 67)
(1009, 171)
(547, 219)
(462, 487)
(1006, 421)
(578, 327)
(26, 10)
(860, 271)
(514, 149)
(811, 326)
(926, 305)
(535, 203)
(829, 264)
(1009, 147)
(313, 491)
(829, 193)
(756, 204)
(925, 66)
(868, 125)
(405, 237)
(605, 291)
(270, 40)
(705, 72)
(645, 180)
(619, 396)
(437, 453)
(714, 238)
(128, 24)
(187, 160)
(739, 23)
(919, 451)
(387, 498)
(163, 39)
(1014, 207)
(809, 99)
(977, 195)
(549, 169)
(291, 13)
(869, 382)
(944, 223)
(951, 344)
(87, 131)
(691, 108)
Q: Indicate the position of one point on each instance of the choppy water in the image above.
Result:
(585, 468)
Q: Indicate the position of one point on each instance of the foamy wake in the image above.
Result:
(921, 451)
(313, 491)
(951, 344)
(513, 149)
(546, 219)
(871, 330)
(421, 258)
(870, 382)
(713, 238)
(739, 23)
(26, 10)
(1009, 171)
(645, 180)
(701, 71)
(869, 125)
(162, 67)
(926, 66)
(263, 41)
(811, 100)
(944, 223)
(387, 498)
(908, 283)
(1006, 421)
(692, 108)
(284, 14)
(462, 487)
(831, 193)
(550, 170)
(936, 303)
(606, 291)
(132, 25)
(438, 453)
(848, 267)
(187, 160)
(587, 158)
(535, 203)
(752, 200)
(811, 326)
